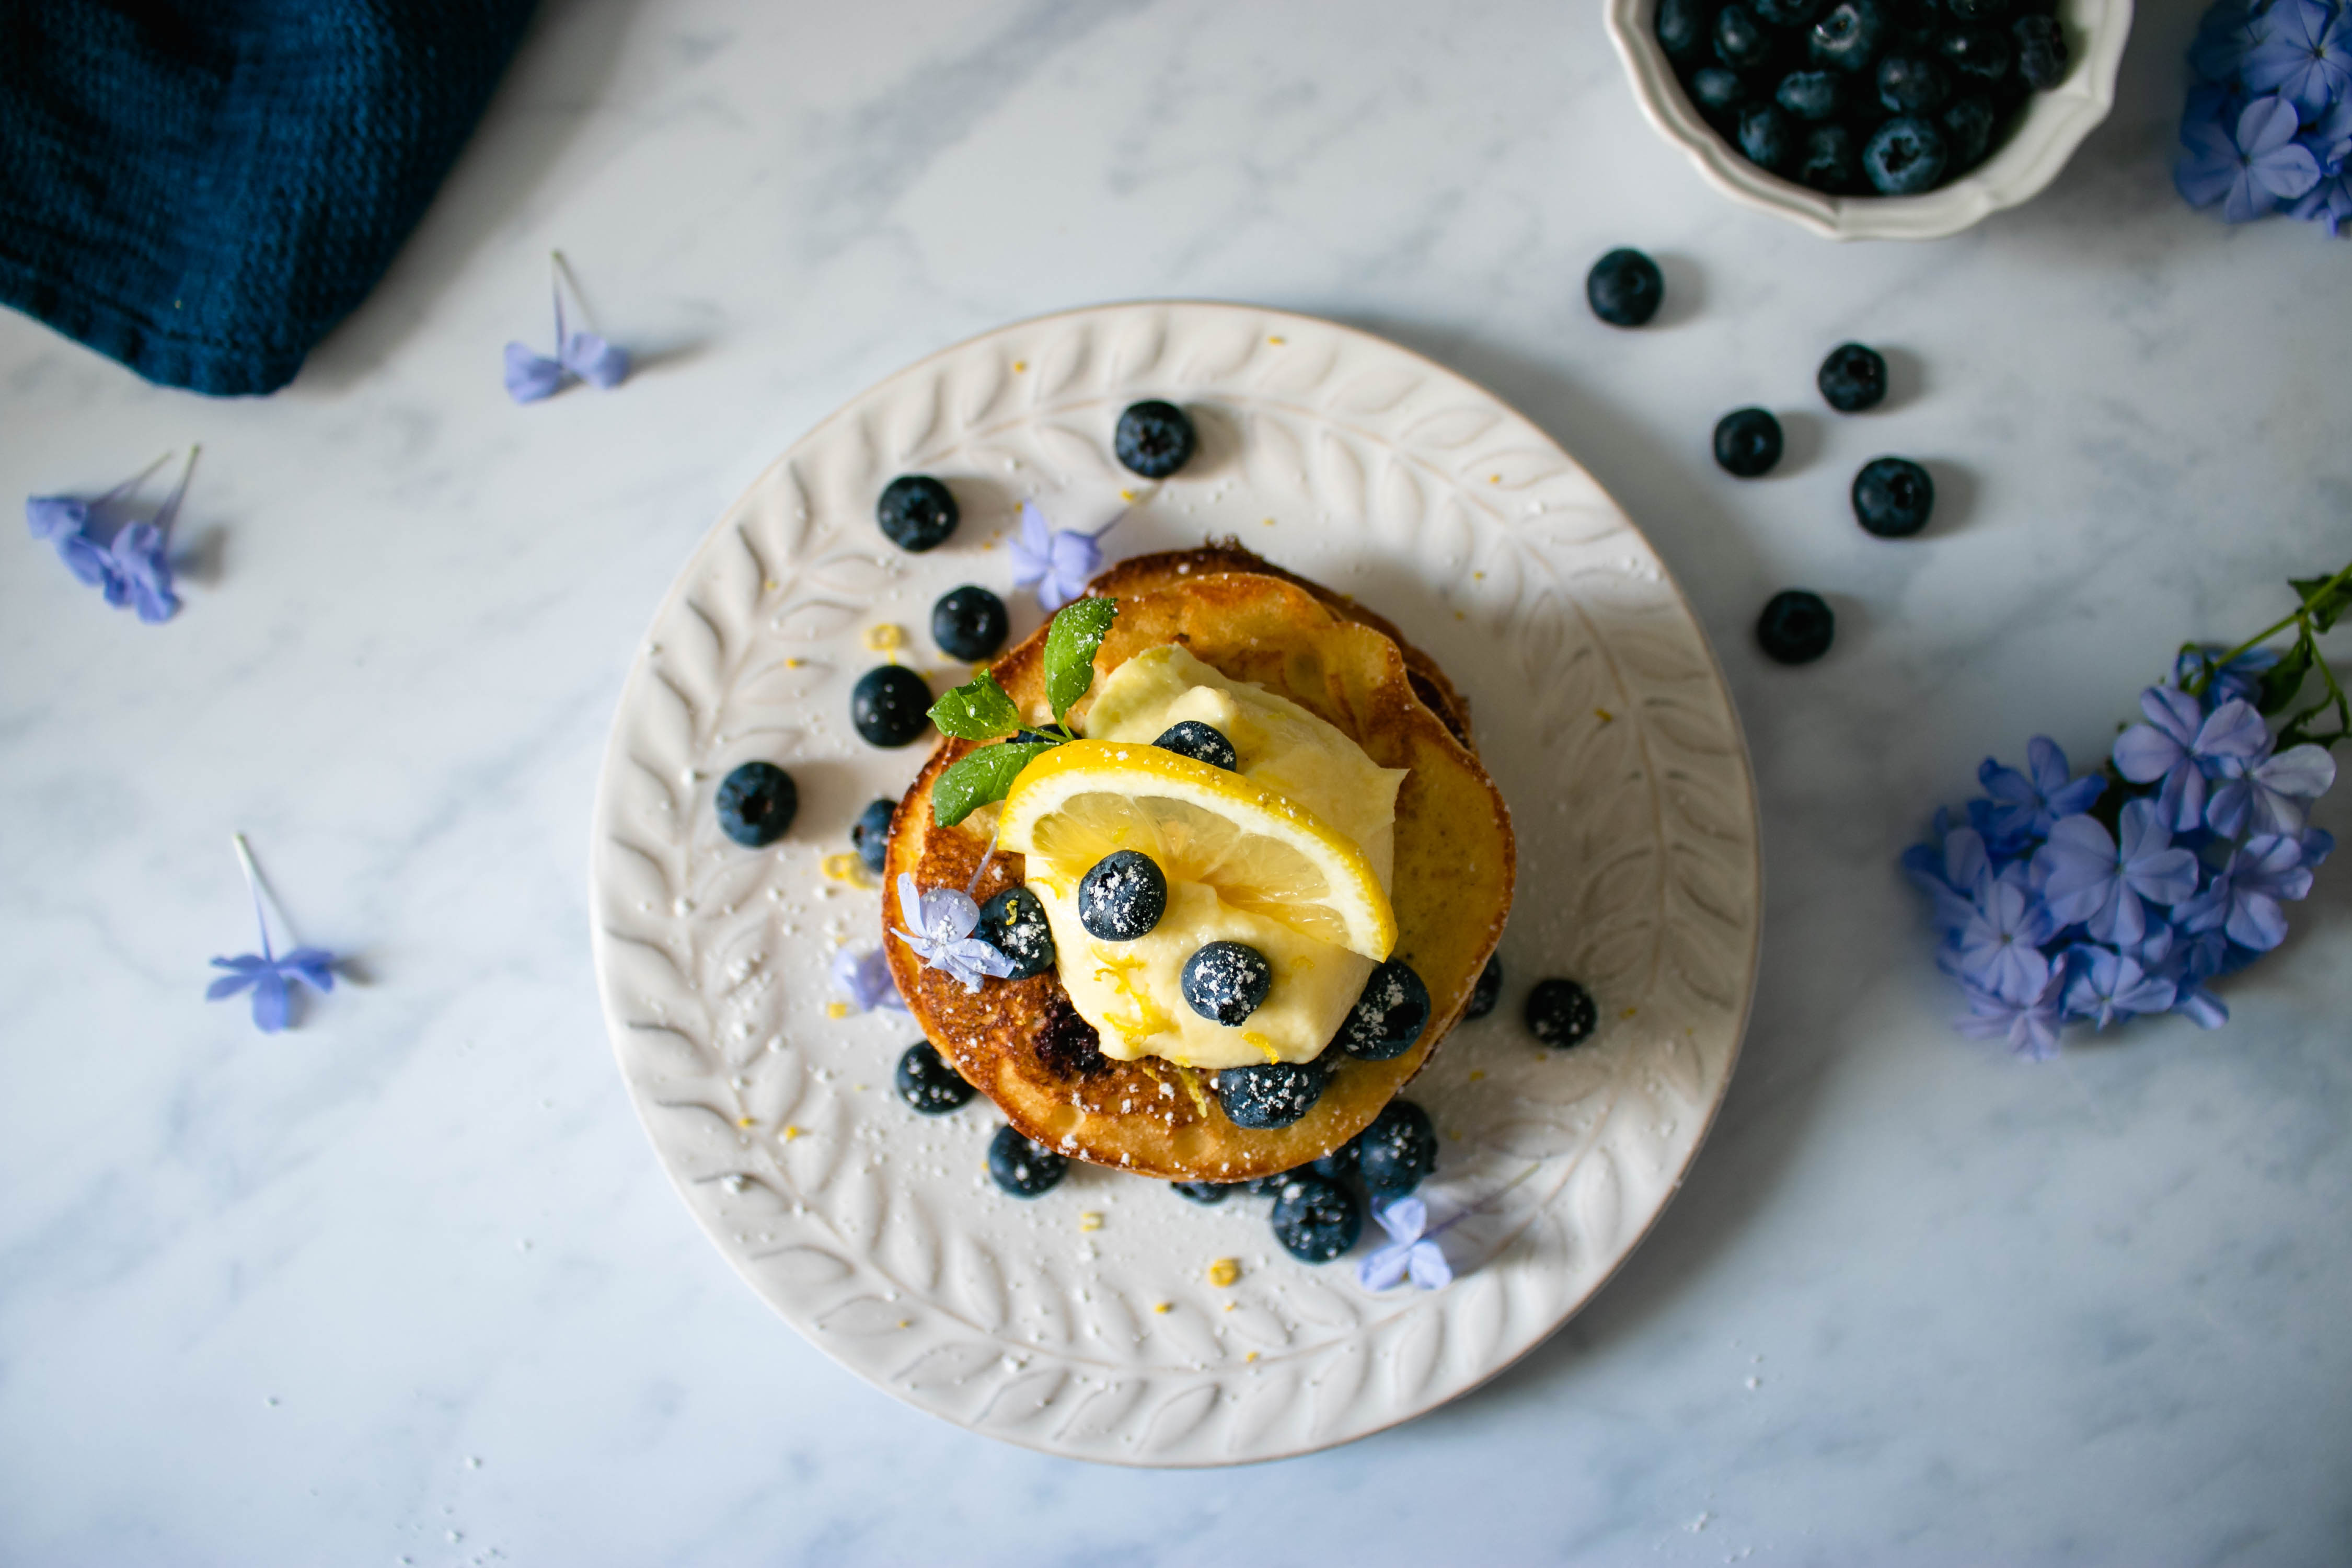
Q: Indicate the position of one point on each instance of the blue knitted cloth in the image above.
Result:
(203, 189)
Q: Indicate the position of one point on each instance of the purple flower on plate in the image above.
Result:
(2266, 795)
(265, 974)
(2031, 1026)
(2026, 803)
(2105, 985)
(583, 356)
(1055, 563)
(2249, 169)
(2305, 55)
(943, 920)
(1409, 1254)
(863, 977)
(2181, 745)
(2244, 898)
(1999, 949)
(2089, 876)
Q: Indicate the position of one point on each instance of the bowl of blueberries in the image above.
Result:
(1874, 119)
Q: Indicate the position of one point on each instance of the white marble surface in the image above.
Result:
(407, 1284)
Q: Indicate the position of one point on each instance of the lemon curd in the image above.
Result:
(1291, 853)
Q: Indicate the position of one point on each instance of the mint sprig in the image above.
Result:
(979, 710)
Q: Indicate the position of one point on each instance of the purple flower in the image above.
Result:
(2266, 795)
(1057, 563)
(266, 975)
(139, 573)
(2025, 806)
(2240, 677)
(1952, 871)
(2105, 985)
(2243, 899)
(1999, 949)
(2248, 171)
(2089, 876)
(863, 977)
(584, 356)
(2181, 745)
(133, 569)
(943, 920)
(2031, 1026)
(1409, 1254)
(2229, 33)
(2305, 55)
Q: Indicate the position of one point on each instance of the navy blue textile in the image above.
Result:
(203, 189)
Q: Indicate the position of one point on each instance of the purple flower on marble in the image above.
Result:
(1952, 871)
(943, 920)
(2101, 880)
(2105, 985)
(2249, 168)
(2239, 678)
(582, 356)
(2267, 795)
(2029, 1026)
(2305, 55)
(2182, 745)
(863, 975)
(265, 974)
(2026, 803)
(1998, 950)
(2243, 899)
(134, 568)
(1057, 564)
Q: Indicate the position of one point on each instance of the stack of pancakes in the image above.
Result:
(1026, 1047)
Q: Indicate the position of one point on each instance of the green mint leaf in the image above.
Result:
(1077, 631)
(977, 711)
(978, 778)
(2324, 602)
(2283, 680)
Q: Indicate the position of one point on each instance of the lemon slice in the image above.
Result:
(1259, 849)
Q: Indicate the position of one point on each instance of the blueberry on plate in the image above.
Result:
(969, 623)
(1014, 923)
(1853, 378)
(1913, 84)
(1270, 1094)
(870, 834)
(1154, 438)
(1740, 40)
(1225, 981)
(1796, 628)
(916, 511)
(1977, 54)
(1829, 165)
(890, 705)
(2040, 51)
(1719, 93)
(1122, 896)
(1269, 1186)
(1398, 1151)
(1746, 442)
(1846, 38)
(1489, 989)
(925, 1081)
(756, 803)
(1342, 1162)
(1905, 156)
(1388, 1016)
(1625, 287)
(1025, 1169)
(1682, 27)
(1785, 12)
(1202, 1192)
(1201, 742)
(1968, 129)
(1767, 138)
(1561, 1014)
(1892, 498)
(1315, 1219)
(1811, 95)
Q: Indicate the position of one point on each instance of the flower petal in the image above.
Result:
(1385, 1269)
(270, 1003)
(1425, 1262)
(2305, 771)
(530, 376)
(1404, 1218)
(55, 516)
(228, 985)
(595, 361)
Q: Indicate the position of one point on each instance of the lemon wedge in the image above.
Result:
(1256, 847)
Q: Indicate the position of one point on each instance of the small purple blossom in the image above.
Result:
(1999, 949)
(943, 920)
(1953, 872)
(2249, 169)
(2026, 803)
(2305, 55)
(1410, 1253)
(863, 977)
(2266, 794)
(582, 357)
(1056, 563)
(2090, 876)
(265, 974)
(132, 570)
(2243, 901)
(2182, 745)
(2029, 1026)
(2105, 985)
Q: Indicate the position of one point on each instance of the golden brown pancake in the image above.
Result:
(1022, 1044)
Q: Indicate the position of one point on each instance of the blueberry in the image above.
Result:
(1910, 84)
(1846, 38)
(1785, 12)
(916, 511)
(1269, 1186)
(1203, 1192)
(2040, 51)
(1122, 897)
(1740, 40)
(870, 834)
(1271, 1094)
(1624, 287)
(1025, 1169)
(890, 705)
(1746, 442)
(1201, 742)
(1398, 1151)
(1829, 163)
(1682, 27)
(1811, 95)
(925, 1081)
(1389, 1015)
(1853, 378)
(1905, 156)
(1765, 137)
(1340, 1164)
(1560, 1013)
(1968, 127)
(1154, 439)
(1014, 923)
(1316, 1220)
(1718, 92)
(969, 623)
(1488, 991)
(756, 803)
(1977, 10)
(1979, 54)
(1892, 498)
(1225, 981)
(1795, 628)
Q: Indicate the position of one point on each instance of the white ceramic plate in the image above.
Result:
(1084, 1322)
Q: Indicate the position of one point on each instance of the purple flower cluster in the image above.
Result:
(132, 566)
(2269, 118)
(2124, 892)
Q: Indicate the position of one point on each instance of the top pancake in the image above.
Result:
(1023, 1045)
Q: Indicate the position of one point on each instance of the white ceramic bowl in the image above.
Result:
(2054, 124)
